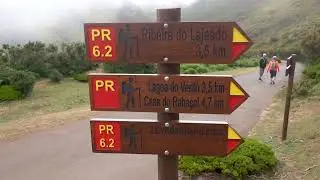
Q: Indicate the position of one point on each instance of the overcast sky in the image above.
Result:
(22, 20)
(31, 12)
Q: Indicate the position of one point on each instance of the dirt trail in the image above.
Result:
(65, 152)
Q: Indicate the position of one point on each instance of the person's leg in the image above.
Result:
(273, 75)
(261, 73)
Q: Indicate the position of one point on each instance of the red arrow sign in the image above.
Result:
(174, 42)
(174, 137)
(160, 93)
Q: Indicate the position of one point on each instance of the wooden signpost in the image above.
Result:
(174, 42)
(153, 137)
(165, 93)
(290, 68)
(167, 42)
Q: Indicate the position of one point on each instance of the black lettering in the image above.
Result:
(158, 88)
(179, 34)
(144, 34)
(185, 102)
(219, 104)
(160, 34)
(204, 87)
(151, 101)
(218, 51)
(187, 131)
(169, 36)
(224, 35)
(219, 88)
(164, 101)
(193, 87)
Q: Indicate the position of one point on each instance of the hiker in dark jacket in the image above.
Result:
(263, 63)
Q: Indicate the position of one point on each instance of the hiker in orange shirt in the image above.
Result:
(273, 67)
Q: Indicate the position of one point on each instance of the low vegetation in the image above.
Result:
(17, 83)
(184, 68)
(310, 82)
(22, 65)
(42, 59)
(209, 68)
(55, 76)
(47, 98)
(251, 157)
(82, 77)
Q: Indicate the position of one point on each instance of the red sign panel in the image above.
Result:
(101, 43)
(152, 137)
(107, 136)
(106, 92)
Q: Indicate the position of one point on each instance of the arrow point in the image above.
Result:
(237, 96)
(238, 49)
(234, 140)
(233, 144)
(236, 101)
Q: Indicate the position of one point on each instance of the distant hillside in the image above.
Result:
(283, 24)
(274, 25)
(221, 10)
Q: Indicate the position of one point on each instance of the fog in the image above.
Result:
(23, 20)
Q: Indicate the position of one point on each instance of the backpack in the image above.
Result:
(273, 65)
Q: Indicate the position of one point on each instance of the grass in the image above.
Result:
(236, 72)
(299, 154)
(47, 98)
(244, 62)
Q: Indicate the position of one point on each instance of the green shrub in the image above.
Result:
(83, 77)
(40, 58)
(312, 72)
(246, 62)
(194, 69)
(221, 67)
(130, 68)
(250, 158)
(310, 44)
(190, 71)
(8, 93)
(55, 76)
(21, 81)
(310, 79)
(207, 68)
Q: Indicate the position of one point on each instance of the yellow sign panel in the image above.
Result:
(238, 37)
(232, 134)
(235, 90)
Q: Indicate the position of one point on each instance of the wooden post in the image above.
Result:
(168, 164)
(291, 64)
